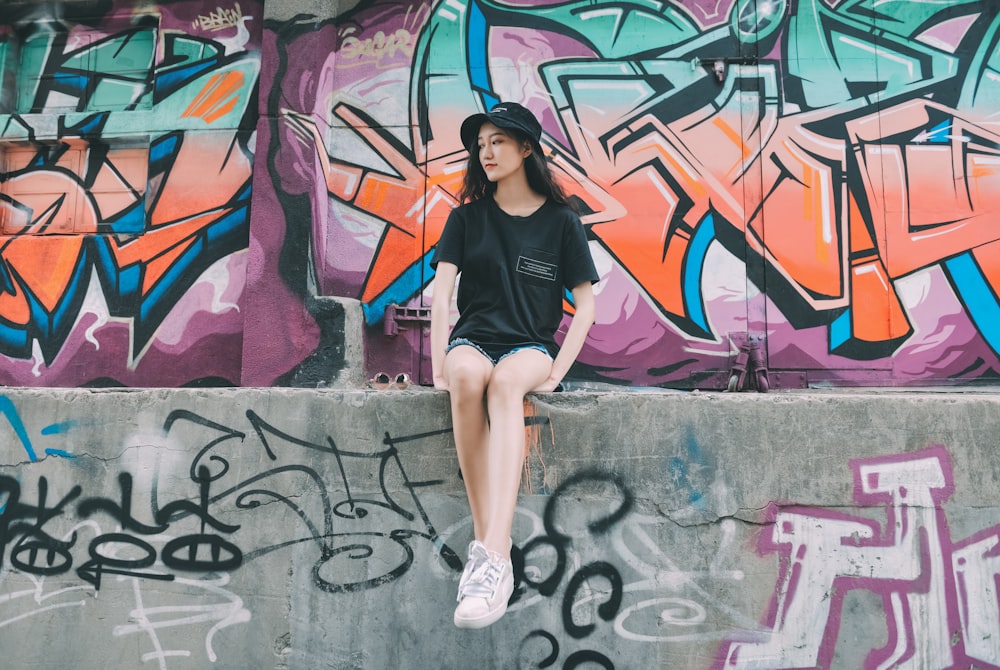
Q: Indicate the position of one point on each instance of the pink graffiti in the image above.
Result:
(929, 587)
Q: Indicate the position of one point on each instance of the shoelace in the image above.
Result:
(484, 579)
(477, 557)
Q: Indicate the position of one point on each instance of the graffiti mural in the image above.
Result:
(203, 530)
(33, 549)
(188, 527)
(821, 176)
(125, 193)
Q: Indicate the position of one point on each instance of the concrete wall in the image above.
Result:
(324, 529)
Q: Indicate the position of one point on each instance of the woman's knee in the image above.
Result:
(466, 376)
(506, 386)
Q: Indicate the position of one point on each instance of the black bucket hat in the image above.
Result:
(506, 115)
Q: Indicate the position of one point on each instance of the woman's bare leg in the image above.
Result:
(468, 371)
(512, 378)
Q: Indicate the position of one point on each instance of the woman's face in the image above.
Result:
(499, 153)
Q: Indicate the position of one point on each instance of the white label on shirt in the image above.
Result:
(536, 268)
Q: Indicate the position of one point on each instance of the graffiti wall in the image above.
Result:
(812, 178)
(815, 179)
(126, 141)
(818, 178)
(300, 529)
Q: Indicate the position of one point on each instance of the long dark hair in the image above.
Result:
(476, 186)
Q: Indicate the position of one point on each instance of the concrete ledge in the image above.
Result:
(291, 528)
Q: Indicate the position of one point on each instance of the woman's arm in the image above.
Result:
(579, 326)
(444, 288)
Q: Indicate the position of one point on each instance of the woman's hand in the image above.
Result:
(583, 319)
(440, 383)
(547, 386)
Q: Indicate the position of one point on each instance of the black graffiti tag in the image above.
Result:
(559, 542)
(35, 551)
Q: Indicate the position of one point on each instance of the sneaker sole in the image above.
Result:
(481, 622)
(487, 619)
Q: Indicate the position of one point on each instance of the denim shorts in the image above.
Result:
(496, 355)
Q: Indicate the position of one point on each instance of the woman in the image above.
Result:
(519, 247)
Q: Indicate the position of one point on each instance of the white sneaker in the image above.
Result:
(483, 596)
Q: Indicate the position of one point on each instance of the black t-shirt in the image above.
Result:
(515, 271)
